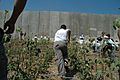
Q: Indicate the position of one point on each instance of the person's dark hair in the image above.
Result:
(63, 26)
(108, 35)
(99, 38)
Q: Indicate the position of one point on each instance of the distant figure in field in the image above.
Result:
(96, 44)
(81, 38)
(110, 45)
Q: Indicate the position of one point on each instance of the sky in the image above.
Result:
(82, 6)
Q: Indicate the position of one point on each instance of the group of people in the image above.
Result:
(102, 44)
(105, 43)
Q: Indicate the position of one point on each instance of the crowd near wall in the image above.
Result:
(45, 23)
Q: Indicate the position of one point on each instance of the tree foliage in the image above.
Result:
(116, 23)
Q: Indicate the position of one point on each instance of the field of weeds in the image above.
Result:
(30, 60)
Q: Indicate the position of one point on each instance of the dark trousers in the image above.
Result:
(3, 63)
(111, 53)
(61, 53)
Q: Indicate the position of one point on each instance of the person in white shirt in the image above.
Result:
(96, 44)
(61, 39)
(81, 41)
(110, 45)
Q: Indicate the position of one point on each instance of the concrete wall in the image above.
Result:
(47, 23)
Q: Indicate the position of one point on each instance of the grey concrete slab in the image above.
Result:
(46, 23)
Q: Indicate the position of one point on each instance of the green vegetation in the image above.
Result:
(28, 59)
(116, 23)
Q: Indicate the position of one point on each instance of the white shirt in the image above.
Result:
(61, 35)
(96, 43)
(110, 41)
(82, 37)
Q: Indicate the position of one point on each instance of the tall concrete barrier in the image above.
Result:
(46, 23)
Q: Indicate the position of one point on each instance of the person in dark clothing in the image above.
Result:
(9, 28)
(9, 25)
(3, 58)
